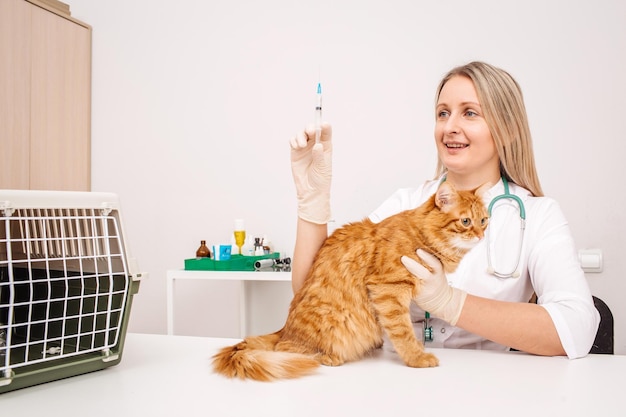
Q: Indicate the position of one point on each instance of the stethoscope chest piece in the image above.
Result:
(428, 329)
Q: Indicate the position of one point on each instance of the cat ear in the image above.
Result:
(445, 197)
(480, 191)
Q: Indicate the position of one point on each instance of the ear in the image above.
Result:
(480, 191)
(446, 196)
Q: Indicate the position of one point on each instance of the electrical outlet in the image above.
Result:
(590, 260)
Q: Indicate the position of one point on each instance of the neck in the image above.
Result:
(471, 182)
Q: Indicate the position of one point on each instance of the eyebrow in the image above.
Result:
(464, 103)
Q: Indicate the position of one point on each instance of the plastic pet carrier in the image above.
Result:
(66, 285)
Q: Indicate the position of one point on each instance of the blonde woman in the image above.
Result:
(482, 136)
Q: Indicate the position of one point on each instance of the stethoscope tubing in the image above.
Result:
(522, 213)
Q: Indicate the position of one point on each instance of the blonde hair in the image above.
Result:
(502, 103)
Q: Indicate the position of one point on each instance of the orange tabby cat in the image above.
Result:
(357, 288)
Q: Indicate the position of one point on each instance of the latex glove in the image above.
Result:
(311, 166)
(436, 295)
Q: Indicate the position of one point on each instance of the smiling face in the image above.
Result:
(464, 142)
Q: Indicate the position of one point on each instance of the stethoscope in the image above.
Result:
(522, 214)
(428, 329)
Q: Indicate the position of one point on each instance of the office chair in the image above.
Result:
(604, 342)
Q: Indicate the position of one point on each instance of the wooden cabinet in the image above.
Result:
(45, 97)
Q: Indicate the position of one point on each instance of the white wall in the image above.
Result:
(194, 102)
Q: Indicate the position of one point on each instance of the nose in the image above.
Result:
(451, 125)
(480, 233)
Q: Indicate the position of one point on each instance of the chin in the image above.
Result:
(465, 244)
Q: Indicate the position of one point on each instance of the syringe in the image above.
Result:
(318, 114)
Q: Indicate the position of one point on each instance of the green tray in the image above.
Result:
(235, 263)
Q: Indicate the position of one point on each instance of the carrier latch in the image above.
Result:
(6, 208)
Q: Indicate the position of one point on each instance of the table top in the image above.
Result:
(171, 375)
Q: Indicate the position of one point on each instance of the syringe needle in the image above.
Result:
(318, 114)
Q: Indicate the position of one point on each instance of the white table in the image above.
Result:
(171, 376)
(243, 276)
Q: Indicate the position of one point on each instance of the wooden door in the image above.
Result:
(60, 151)
(14, 94)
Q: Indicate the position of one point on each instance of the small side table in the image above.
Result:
(243, 276)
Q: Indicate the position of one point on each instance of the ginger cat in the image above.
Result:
(357, 288)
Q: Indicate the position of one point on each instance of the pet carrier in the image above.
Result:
(65, 285)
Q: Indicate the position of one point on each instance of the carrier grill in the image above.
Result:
(64, 287)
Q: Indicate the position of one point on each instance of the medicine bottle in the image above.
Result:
(203, 251)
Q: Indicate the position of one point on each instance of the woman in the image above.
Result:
(482, 136)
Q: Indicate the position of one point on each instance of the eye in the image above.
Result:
(442, 114)
(483, 221)
(471, 113)
(466, 221)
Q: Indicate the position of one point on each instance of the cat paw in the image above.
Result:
(425, 360)
(330, 360)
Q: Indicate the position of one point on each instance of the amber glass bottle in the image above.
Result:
(203, 251)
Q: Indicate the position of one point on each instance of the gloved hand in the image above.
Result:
(311, 166)
(436, 295)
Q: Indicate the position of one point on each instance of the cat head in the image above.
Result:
(466, 216)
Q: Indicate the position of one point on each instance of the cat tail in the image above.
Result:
(255, 358)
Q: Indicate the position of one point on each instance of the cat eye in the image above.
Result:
(483, 221)
(466, 221)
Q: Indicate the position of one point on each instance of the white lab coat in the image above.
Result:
(549, 266)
